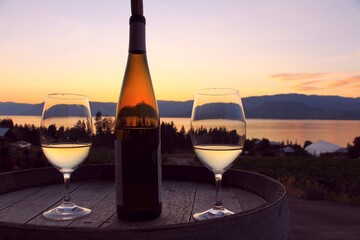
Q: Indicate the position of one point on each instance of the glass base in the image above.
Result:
(66, 211)
(212, 213)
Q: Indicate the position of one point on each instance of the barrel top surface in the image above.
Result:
(185, 190)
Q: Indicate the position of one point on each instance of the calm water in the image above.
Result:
(339, 132)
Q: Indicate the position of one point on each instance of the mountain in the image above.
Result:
(325, 102)
(106, 108)
(175, 108)
(218, 110)
(281, 106)
(10, 108)
(299, 106)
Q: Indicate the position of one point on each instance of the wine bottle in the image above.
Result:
(137, 143)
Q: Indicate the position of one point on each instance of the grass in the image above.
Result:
(101, 155)
(336, 179)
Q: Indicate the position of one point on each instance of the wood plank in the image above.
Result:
(180, 199)
(33, 205)
(25, 178)
(12, 198)
(86, 195)
(9, 180)
(177, 202)
(20, 179)
(100, 212)
(248, 200)
(2, 184)
(205, 198)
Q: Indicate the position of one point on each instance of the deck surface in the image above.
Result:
(181, 199)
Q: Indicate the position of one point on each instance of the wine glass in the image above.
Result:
(218, 133)
(65, 136)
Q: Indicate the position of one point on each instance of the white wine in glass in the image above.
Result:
(218, 134)
(65, 135)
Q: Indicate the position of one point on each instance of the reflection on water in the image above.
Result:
(339, 132)
(21, 120)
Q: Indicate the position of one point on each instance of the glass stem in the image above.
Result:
(218, 204)
(67, 188)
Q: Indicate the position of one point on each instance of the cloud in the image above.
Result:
(296, 76)
(346, 81)
(311, 82)
(315, 82)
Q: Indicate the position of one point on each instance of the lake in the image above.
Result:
(340, 132)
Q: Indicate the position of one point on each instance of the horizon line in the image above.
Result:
(266, 95)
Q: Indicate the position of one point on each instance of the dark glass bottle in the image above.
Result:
(137, 144)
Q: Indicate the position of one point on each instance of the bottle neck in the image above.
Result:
(137, 37)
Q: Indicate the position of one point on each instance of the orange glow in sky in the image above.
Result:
(259, 47)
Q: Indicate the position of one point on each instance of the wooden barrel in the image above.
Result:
(261, 211)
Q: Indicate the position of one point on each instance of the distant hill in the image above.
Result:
(281, 106)
(299, 106)
(10, 108)
(175, 109)
(325, 102)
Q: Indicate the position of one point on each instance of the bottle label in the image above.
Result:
(137, 37)
(120, 150)
(118, 174)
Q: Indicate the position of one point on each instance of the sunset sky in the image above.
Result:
(261, 47)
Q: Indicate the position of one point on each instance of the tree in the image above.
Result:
(168, 137)
(183, 139)
(104, 131)
(103, 125)
(7, 123)
(307, 143)
(354, 150)
(264, 144)
(98, 123)
(107, 125)
(249, 146)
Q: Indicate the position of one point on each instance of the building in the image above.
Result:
(7, 137)
(321, 146)
(288, 150)
(7, 134)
